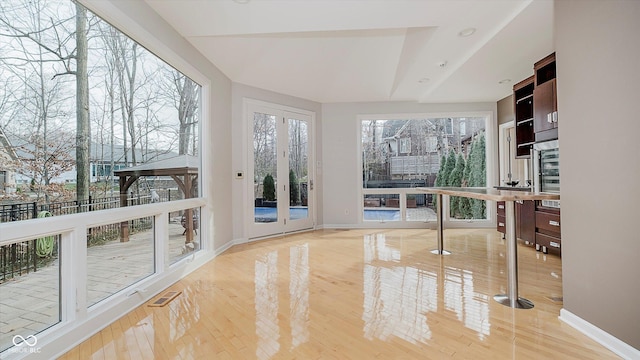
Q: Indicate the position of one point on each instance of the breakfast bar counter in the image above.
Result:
(509, 197)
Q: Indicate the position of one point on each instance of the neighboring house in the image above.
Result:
(414, 147)
(410, 153)
(7, 156)
(103, 161)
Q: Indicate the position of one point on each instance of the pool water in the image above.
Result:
(269, 214)
(382, 215)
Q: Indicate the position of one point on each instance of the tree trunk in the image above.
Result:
(82, 107)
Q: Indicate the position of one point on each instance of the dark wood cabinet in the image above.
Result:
(548, 230)
(500, 218)
(545, 105)
(536, 120)
(525, 220)
(523, 95)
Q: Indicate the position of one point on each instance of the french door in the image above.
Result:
(281, 177)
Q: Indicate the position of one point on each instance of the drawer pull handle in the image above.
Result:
(501, 224)
(500, 206)
(554, 244)
(554, 223)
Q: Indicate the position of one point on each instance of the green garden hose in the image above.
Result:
(44, 246)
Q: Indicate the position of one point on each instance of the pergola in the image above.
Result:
(182, 168)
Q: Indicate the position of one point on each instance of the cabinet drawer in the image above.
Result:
(500, 208)
(551, 243)
(547, 221)
(501, 224)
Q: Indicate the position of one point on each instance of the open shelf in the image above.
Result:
(530, 96)
(526, 144)
(521, 122)
(523, 106)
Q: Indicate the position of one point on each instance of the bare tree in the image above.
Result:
(298, 146)
(264, 145)
(83, 132)
(30, 61)
(187, 96)
(53, 38)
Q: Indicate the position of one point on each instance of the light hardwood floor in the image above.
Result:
(354, 294)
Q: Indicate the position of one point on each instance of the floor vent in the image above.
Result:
(165, 298)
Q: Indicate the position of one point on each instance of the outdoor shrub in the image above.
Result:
(293, 188)
(269, 188)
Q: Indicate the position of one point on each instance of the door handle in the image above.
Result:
(310, 184)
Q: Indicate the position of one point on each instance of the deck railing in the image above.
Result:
(21, 258)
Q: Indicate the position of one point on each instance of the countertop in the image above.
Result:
(489, 193)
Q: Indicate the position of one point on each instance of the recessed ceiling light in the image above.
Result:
(467, 32)
(242, 1)
(504, 81)
(424, 80)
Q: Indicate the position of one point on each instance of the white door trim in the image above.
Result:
(252, 231)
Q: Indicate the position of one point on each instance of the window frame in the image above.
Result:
(405, 145)
(76, 317)
(491, 170)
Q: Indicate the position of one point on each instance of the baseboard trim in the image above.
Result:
(224, 248)
(607, 340)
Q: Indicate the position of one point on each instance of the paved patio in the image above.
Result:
(29, 303)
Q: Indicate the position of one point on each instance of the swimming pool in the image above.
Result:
(382, 214)
(269, 214)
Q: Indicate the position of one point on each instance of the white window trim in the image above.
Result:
(77, 319)
(492, 169)
(405, 146)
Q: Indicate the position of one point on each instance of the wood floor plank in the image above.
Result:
(354, 294)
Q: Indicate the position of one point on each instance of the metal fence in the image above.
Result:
(22, 258)
(17, 259)
(30, 210)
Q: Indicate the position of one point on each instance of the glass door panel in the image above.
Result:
(298, 169)
(281, 179)
(265, 168)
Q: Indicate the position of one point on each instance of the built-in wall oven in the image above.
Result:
(546, 169)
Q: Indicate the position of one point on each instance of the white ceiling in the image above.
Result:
(369, 50)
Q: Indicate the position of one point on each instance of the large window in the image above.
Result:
(89, 120)
(401, 154)
(80, 101)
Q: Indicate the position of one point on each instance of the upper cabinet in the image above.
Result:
(545, 105)
(523, 105)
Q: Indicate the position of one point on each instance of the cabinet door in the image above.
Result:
(518, 220)
(527, 220)
(544, 106)
(500, 224)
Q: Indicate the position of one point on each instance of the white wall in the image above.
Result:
(597, 49)
(341, 176)
(243, 202)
